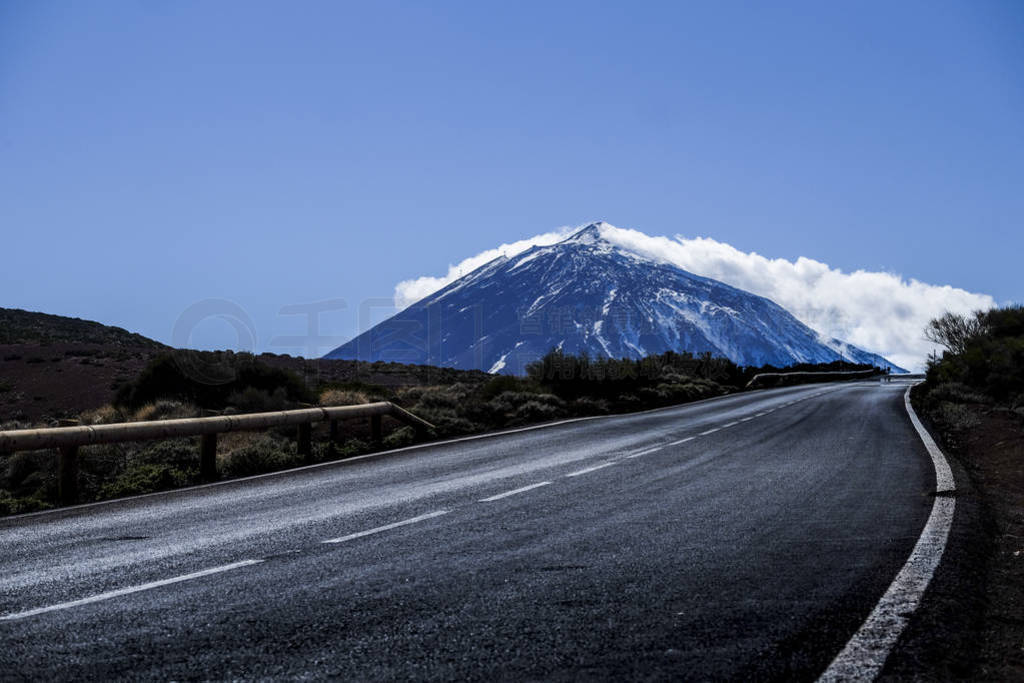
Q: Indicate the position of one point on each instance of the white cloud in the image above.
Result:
(410, 291)
(877, 311)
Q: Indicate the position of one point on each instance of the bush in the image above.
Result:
(535, 411)
(987, 355)
(20, 466)
(589, 406)
(12, 505)
(342, 397)
(181, 454)
(956, 392)
(253, 400)
(450, 424)
(501, 384)
(208, 379)
(441, 398)
(262, 454)
(164, 409)
(105, 414)
(954, 417)
(145, 478)
(403, 436)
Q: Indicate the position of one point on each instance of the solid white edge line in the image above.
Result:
(513, 492)
(943, 475)
(746, 419)
(730, 424)
(386, 527)
(683, 440)
(587, 470)
(866, 652)
(128, 591)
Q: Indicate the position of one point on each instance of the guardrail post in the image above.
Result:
(304, 441)
(375, 431)
(208, 457)
(67, 475)
(333, 438)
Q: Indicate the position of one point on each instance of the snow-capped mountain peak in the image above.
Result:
(590, 293)
(590, 234)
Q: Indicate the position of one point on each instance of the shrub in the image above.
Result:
(263, 454)
(450, 424)
(11, 505)
(20, 467)
(164, 409)
(535, 411)
(342, 397)
(512, 401)
(956, 393)
(440, 398)
(403, 436)
(105, 414)
(955, 417)
(208, 379)
(253, 400)
(353, 447)
(180, 454)
(501, 384)
(988, 357)
(145, 478)
(589, 406)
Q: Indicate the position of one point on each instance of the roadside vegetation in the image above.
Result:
(178, 383)
(973, 398)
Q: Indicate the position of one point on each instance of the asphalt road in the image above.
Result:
(744, 537)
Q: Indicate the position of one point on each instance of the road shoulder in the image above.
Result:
(968, 625)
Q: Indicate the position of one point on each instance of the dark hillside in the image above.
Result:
(27, 327)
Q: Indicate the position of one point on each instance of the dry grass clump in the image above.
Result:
(105, 414)
(164, 410)
(342, 397)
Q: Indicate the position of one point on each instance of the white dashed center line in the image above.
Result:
(644, 452)
(710, 431)
(590, 469)
(128, 591)
(676, 443)
(730, 424)
(386, 527)
(513, 492)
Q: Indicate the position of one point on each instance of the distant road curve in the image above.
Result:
(747, 536)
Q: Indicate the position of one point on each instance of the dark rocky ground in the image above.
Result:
(986, 445)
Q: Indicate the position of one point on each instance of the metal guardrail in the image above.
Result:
(761, 376)
(68, 439)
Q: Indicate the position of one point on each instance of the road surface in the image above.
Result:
(743, 537)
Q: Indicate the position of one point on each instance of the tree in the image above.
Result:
(954, 331)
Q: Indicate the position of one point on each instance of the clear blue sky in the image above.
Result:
(155, 154)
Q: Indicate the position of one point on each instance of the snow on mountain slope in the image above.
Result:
(585, 294)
